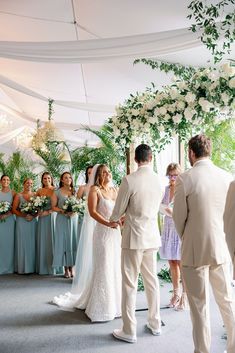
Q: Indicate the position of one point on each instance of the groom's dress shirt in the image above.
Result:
(229, 222)
(198, 214)
(139, 198)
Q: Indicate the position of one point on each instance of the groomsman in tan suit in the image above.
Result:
(229, 222)
(198, 215)
(139, 198)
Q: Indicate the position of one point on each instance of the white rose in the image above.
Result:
(177, 118)
(190, 97)
(182, 85)
(116, 132)
(151, 104)
(167, 117)
(161, 128)
(232, 71)
(232, 83)
(135, 112)
(173, 93)
(146, 126)
(225, 97)
(162, 110)
(153, 120)
(212, 75)
(156, 111)
(171, 108)
(181, 105)
(226, 68)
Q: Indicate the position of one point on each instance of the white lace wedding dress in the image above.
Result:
(101, 296)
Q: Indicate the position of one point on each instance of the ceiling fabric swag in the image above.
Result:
(11, 135)
(95, 50)
(91, 107)
(24, 116)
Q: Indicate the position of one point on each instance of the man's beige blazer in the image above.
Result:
(199, 203)
(229, 222)
(139, 198)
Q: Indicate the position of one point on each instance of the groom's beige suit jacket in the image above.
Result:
(229, 222)
(198, 214)
(139, 198)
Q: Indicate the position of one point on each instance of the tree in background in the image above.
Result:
(18, 167)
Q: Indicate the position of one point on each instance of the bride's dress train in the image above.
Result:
(98, 287)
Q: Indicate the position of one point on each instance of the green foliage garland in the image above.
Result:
(214, 24)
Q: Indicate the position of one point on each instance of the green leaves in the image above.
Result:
(18, 167)
(215, 24)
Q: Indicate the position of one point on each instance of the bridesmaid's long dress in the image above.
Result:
(66, 231)
(45, 243)
(7, 238)
(25, 243)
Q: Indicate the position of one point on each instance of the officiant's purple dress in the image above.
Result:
(171, 243)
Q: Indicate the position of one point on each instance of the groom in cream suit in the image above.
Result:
(229, 222)
(198, 215)
(139, 198)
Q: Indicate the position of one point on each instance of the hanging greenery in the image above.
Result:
(216, 23)
(181, 71)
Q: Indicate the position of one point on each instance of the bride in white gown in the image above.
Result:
(97, 288)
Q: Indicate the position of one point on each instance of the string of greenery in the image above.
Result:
(215, 24)
(182, 71)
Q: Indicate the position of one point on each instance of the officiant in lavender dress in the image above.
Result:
(171, 244)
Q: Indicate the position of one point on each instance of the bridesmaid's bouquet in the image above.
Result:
(74, 205)
(34, 205)
(5, 207)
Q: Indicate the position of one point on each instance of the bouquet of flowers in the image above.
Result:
(35, 205)
(40, 202)
(5, 207)
(72, 204)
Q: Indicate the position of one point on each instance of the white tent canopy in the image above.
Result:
(80, 53)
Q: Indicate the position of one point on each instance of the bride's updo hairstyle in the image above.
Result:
(98, 175)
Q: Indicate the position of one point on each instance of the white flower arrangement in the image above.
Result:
(183, 108)
(5, 207)
(74, 205)
(35, 205)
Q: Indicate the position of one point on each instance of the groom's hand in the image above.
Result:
(113, 224)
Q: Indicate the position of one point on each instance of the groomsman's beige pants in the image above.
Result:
(133, 262)
(197, 286)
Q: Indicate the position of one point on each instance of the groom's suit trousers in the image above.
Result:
(197, 281)
(133, 262)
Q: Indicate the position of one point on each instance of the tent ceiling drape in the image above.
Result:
(80, 53)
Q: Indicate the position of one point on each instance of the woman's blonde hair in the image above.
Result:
(98, 175)
(173, 166)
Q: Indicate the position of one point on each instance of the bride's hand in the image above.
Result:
(113, 224)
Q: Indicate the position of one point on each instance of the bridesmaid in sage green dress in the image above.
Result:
(26, 226)
(83, 193)
(45, 229)
(7, 229)
(66, 228)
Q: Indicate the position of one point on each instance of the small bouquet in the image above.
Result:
(40, 202)
(35, 205)
(74, 205)
(5, 207)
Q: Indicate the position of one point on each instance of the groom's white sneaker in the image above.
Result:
(155, 332)
(120, 335)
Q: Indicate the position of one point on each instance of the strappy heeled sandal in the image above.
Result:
(183, 303)
(175, 299)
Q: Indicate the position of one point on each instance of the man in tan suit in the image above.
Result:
(198, 215)
(139, 198)
(229, 222)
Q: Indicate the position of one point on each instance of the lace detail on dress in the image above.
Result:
(102, 295)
